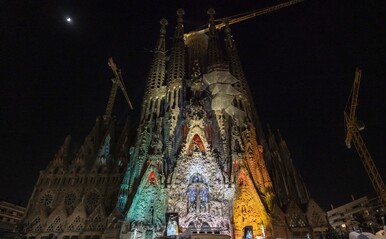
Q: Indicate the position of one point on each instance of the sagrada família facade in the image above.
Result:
(198, 165)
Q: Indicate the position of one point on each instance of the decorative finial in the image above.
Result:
(211, 13)
(180, 13)
(163, 23)
(226, 22)
(227, 29)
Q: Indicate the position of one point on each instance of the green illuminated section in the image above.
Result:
(149, 204)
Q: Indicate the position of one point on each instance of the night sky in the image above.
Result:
(299, 62)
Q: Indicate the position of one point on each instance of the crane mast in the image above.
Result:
(353, 135)
(117, 82)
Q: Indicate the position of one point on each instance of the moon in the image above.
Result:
(68, 19)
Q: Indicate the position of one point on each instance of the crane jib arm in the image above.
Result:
(242, 17)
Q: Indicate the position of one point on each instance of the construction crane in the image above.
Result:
(222, 22)
(353, 126)
(117, 82)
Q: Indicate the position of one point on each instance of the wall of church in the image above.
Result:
(199, 156)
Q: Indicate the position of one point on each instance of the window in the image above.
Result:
(46, 199)
(191, 195)
(69, 199)
(205, 227)
(191, 226)
(203, 199)
(192, 200)
(92, 199)
(198, 195)
(59, 228)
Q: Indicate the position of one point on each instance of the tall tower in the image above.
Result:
(198, 155)
(142, 194)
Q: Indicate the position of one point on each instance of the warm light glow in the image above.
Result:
(249, 210)
(343, 225)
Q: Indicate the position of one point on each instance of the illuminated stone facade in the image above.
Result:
(199, 151)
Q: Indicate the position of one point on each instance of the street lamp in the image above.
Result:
(342, 228)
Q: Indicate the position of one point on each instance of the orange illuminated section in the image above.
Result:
(248, 209)
(254, 193)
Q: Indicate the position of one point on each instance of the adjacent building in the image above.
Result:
(10, 217)
(362, 214)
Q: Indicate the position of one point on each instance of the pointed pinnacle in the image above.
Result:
(180, 13)
(163, 23)
(227, 28)
(226, 22)
(211, 12)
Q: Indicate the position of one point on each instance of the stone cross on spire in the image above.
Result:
(211, 13)
(179, 31)
(214, 52)
(212, 27)
(163, 23)
(161, 40)
(180, 13)
(154, 92)
(228, 34)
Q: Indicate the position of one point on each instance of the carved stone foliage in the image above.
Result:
(198, 190)
(149, 205)
(248, 209)
(256, 164)
(104, 151)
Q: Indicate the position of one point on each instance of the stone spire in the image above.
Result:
(176, 73)
(151, 115)
(214, 51)
(62, 155)
(179, 33)
(155, 89)
(245, 102)
(235, 67)
(177, 57)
